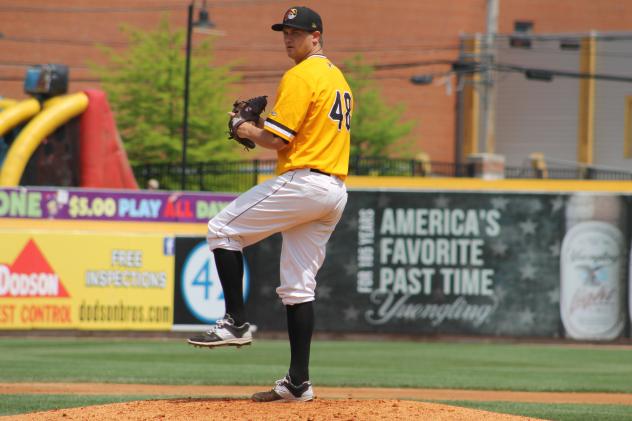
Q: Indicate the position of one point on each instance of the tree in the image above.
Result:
(376, 127)
(145, 86)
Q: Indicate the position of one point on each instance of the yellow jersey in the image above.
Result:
(313, 113)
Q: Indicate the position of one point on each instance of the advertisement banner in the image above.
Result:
(110, 205)
(433, 262)
(86, 281)
(524, 264)
(593, 267)
(198, 295)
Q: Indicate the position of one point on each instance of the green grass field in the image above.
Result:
(526, 367)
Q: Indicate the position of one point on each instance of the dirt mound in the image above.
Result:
(240, 392)
(241, 409)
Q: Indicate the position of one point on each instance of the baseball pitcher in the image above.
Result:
(309, 127)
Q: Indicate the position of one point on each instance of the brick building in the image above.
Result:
(399, 38)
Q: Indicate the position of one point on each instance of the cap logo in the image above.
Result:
(290, 14)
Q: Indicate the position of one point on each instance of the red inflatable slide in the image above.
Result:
(103, 161)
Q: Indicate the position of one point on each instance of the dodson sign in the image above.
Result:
(30, 275)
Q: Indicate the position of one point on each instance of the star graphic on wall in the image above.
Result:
(557, 204)
(351, 313)
(323, 291)
(532, 255)
(554, 296)
(499, 248)
(500, 293)
(526, 317)
(500, 203)
(535, 205)
(528, 227)
(441, 202)
(555, 249)
(527, 272)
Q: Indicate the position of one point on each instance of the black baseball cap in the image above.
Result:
(300, 17)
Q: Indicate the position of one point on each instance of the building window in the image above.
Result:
(522, 29)
(523, 26)
(627, 141)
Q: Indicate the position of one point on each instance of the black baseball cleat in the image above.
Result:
(224, 333)
(285, 391)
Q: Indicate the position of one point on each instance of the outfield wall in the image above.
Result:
(94, 259)
(499, 262)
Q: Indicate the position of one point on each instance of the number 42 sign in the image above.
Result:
(201, 287)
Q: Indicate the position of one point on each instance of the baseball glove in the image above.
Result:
(248, 110)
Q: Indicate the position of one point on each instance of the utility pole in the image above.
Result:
(185, 118)
(488, 117)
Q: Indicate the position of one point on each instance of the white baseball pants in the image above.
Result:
(304, 206)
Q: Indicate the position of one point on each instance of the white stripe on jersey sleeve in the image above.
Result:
(281, 131)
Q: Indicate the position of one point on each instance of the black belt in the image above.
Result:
(319, 172)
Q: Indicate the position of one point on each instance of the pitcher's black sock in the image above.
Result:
(230, 268)
(300, 326)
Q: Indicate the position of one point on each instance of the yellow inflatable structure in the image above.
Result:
(57, 111)
(6, 103)
(14, 113)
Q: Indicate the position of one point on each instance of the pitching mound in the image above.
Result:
(239, 409)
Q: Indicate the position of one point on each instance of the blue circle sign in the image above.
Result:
(201, 287)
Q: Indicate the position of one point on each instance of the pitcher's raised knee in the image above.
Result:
(221, 239)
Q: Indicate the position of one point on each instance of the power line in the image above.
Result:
(417, 48)
(57, 9)
(58, 41)
(405, 65)
(232, 46)
(138, 9)
(557, 51)
(473, 67)
(375, 66)
(501, 42)
(275, 78)
(246, 79)
(276, 71)
(547, 74)
(568, 36)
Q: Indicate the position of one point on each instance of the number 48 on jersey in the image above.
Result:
(337, 113)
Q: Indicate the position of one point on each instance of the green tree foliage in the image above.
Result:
(145, 86)
(376, 127)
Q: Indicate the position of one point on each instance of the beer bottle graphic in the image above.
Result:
(592, 284)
